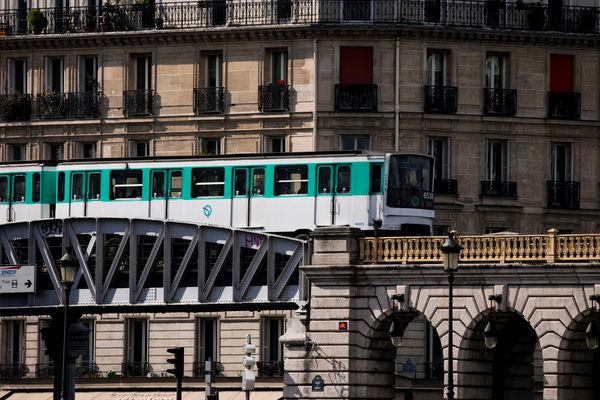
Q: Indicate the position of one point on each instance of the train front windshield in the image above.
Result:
(410, 182)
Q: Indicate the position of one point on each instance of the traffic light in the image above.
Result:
(177, 362)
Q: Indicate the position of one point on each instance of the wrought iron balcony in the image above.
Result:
(564, 105)
(138, 103)
(15, 107)
(270, 368)
(476, 14)
(499, 188)
(13, 371)
(440, 99)
(273, 97)
(199, 368)
(53, 105)
(445, 186)
(87, 370)
(355, 97)
(563, 194)
(208, 100)
(135, 369)
(500, 102)
(44, 370)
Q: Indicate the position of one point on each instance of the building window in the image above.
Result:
(211, 146)
(86, 150)
(85, 361)
(497, 161)
(213, 73)
(440, 149)
(206, 339)
(436, 74)
(88, 74)
(55, 74)
(139, 148)
(355, 142)
(356, 65)
(136, 348)
(53, 151)
(15, 152)
(14, 346)
(271, 354)
(561, 73)
(275, 144)
(45, 365)
(441, 230)
(142, 72)
(17, 76)
(434, 362)
(561, 162)
(279, 67)
(495, 71)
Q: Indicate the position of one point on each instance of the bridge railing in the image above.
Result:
(550, 248)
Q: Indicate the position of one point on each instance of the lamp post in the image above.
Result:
(68, 267)
(592, 334)
(490, 332)
(450, 254)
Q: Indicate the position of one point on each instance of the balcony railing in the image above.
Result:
(15, 107)
(355, 97)
(208, 100)
(489, 14)
(550, 248)
(445, 186)
(564, 105)
(44, 370)
(270, 368)
(273, 98)
(499, 188)
(13, 371)
(53, 105)
(138, 103)
(500, 102)
(440, 99)
(135, 369)
(199, 368)
(563, 194)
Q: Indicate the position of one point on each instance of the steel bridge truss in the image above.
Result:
(147, 262)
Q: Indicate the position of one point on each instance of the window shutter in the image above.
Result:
(356, 65)
(561, 73)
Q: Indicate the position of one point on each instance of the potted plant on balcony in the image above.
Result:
(37, 20)
(536, 17)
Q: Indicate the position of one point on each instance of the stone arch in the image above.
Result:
(513, 370)
(578, 367)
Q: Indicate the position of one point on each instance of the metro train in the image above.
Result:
(291, 193)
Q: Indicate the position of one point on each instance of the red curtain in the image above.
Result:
(356, 65)
(561, 73)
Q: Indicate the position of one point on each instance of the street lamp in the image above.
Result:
(490, 333)
(68, 268)
(592, 335)
(450, 255)
(398, 327)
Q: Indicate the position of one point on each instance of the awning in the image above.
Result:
(150, 395)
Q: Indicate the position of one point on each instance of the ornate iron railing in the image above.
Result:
(135, 369)
(270, 368)
(440, 99)
(564, 105)
(138, 103)
(550, 248)
(500, 102)
(489, 14)
(13, 371)
(355, 97)
(15, 107)
(445, 186)
(563, 194)
(199, 368)
(498, 188)
(273, 98)
(208, 100)
(44, 370)
(54, 105)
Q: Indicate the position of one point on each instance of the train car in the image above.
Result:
(26, 191)
(290, 193)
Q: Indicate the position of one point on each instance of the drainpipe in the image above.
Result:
(315, 94)
(397, 98)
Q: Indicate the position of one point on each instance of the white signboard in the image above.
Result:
(17, 279)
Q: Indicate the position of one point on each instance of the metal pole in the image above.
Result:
(179, 387)
(64, 349)
(450, 334)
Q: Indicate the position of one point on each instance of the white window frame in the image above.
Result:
(81, 75)
(492, 147)
(9, 334)
(445, 144)
(147, 68)
(554, 167)
(12, 75)
(213, 58)
(495, 69)
(266, 340)
(201, 334)
(435, 60)
(49, 81)
(130, 339)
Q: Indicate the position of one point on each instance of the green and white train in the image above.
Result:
(291, 193)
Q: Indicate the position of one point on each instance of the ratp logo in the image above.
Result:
(207, 210)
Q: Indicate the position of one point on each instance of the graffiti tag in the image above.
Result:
(49, 228)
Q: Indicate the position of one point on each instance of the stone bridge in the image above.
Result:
(540, 288)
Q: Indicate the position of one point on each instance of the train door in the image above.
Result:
(248, 197)
(12, 198)
(166, 187)
(333, 203)
(84, 194)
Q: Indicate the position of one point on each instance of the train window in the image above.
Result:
(19, 188)
(94, 186)
(258, 182)
(175, 185)
(126, 184)
(376, 178)
(291, 180)
(3, 189)
(240, 182)
(208, 182)
(35, 187)
(158, 184)
(60, 192)
(343, 179)
(324, 180)
(77, 187)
